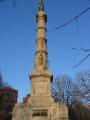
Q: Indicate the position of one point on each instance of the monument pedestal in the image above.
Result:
(40, 105)
(54, 111)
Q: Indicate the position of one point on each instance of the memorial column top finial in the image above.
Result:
(41, 5)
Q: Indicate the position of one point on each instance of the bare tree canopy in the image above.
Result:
(62, 89)
(75, 93)
(83, 83)
(68, 90)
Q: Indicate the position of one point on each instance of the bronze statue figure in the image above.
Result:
(41, 5)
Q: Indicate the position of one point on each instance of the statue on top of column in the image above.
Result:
(41, 5)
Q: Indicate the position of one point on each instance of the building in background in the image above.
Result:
(8, 98)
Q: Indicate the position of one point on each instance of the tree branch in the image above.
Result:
(73, 19)
(85, 50)
(14, 2)
(82, 60)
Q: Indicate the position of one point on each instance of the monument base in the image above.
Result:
(54, 111)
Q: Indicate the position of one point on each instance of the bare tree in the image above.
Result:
(75, 93)
(83, 86)
(62, 89)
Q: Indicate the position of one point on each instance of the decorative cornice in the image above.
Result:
(41, 38)
(41, 51)
(41, 28)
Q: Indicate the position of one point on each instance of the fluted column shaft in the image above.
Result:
(41, 59)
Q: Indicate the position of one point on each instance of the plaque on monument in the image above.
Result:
(41, 112)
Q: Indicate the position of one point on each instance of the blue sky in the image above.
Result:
(18, 39)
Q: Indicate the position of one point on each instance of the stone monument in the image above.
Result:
(40, 105)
